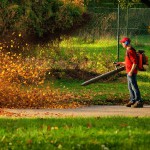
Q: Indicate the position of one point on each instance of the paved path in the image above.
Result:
(92, 111)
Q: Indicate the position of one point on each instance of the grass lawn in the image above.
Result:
(112, 91)
(104, 92)
(108, 133)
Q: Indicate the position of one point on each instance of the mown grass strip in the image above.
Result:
(75, 133)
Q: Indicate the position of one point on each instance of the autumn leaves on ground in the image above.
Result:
(20, 80)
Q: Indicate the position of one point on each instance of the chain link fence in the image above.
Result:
(135, 22)
(110, 21)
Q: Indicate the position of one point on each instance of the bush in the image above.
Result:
(40, 17)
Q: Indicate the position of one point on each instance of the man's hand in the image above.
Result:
(121, 63)
(130, 74)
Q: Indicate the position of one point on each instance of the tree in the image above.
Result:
(40, 17)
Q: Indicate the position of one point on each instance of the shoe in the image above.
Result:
(137, 105)
(129, 104)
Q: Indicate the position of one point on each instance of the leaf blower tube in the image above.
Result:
(103, 76)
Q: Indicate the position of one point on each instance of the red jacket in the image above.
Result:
(130, 59)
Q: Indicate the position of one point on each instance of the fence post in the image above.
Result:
(118, 32)
(127, 16)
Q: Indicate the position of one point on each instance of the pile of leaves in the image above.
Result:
(21, 82)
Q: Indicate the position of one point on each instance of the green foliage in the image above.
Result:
(69, 55)
(9, 16)
(39, 17)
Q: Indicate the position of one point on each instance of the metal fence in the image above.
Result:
(115, 22)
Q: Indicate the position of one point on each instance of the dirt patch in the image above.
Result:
(70, 74)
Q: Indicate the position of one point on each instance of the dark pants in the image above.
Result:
(133, 88)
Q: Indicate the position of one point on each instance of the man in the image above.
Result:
(131, 70)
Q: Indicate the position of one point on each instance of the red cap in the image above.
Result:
(124, 40)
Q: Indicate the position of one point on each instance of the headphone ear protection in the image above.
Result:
(127, 43)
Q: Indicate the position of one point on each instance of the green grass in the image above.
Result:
(103, 92)
(115, 92)
(108, 44)
(108, 133)
(108, 90)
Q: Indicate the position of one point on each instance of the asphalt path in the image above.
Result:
(91, 111)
